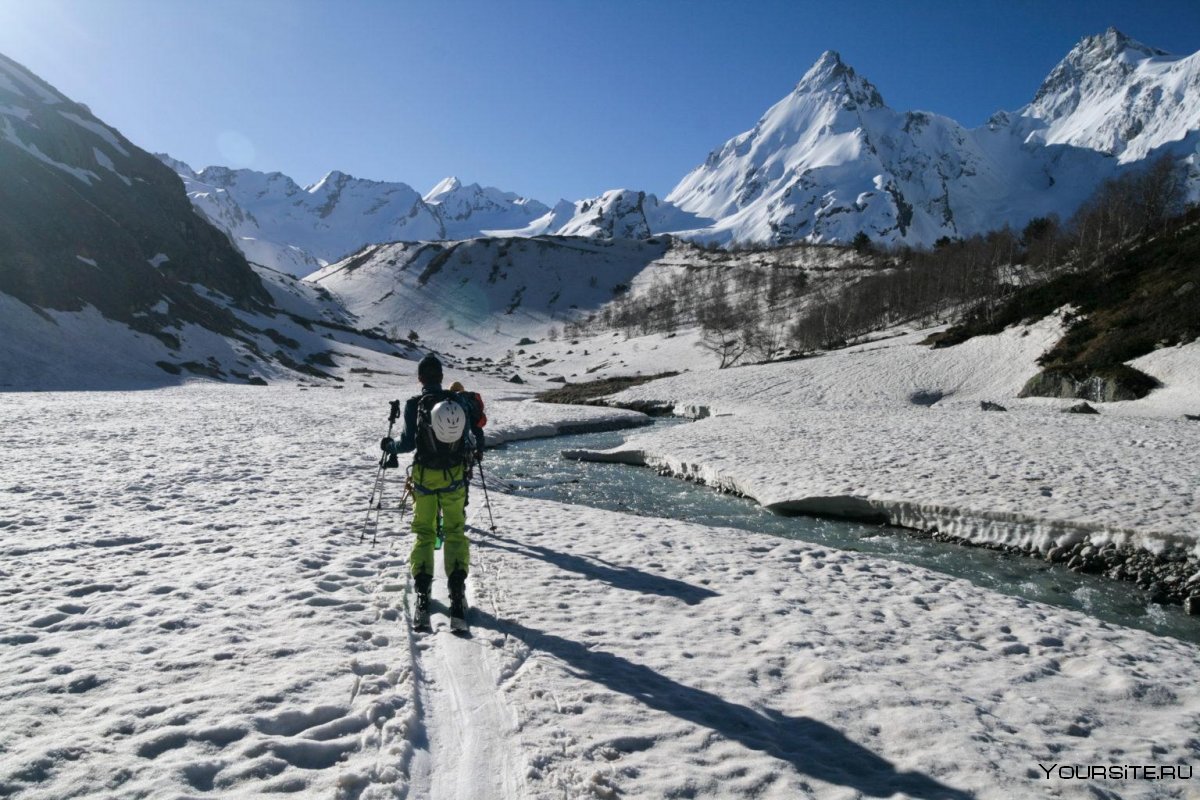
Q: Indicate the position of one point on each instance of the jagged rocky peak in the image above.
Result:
(1109, 45)
(1111, 53)
(832, 75)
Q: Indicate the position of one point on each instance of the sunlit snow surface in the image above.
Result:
(535, 469)
(895, 429)
(187, 610)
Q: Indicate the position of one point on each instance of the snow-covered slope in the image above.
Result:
(831, 159)
(109, 277)
(203, 620)
(1118, 96)
(297, 230)
(483, 291)
(88, 218)
(894, 430)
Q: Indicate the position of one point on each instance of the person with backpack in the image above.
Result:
(436, 427)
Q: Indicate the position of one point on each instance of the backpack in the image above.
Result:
(473, 403)
(432, 452)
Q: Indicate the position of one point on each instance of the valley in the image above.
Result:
(863, 463)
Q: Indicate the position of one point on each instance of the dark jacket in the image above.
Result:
(408, 434)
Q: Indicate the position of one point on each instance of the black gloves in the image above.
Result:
(388, 446)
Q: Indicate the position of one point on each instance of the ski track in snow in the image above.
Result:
(187, 611)
(472, 751)
(183, 589)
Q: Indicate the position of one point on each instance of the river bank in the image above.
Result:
(897, 433)
(1171, 576)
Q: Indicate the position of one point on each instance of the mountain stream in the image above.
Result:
(535, 468)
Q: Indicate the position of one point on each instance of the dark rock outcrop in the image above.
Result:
(88, 218)
(1105, 385)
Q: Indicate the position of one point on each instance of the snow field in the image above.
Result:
(660, 659)
(187, 611)
(182, 612)
(186, 606)
(893, 429)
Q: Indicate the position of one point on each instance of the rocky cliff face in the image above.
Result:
(109, 277)
(87, 218)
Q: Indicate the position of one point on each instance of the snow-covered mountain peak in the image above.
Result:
(831, 75)
(1111, 45)
(445, 186)
(333, 181)
(1108, 55)
(1114, 94)
(822, 123)
(468, 210)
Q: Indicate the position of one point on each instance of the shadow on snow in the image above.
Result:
(621, 577)
(811, 747)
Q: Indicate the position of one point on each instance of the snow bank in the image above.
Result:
(893, 430)
(510, 421)
(1025, 479)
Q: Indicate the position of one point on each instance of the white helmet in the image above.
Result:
(448, 420)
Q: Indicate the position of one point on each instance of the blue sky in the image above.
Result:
(548, 98)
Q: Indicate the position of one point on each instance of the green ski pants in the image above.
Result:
(435, 489)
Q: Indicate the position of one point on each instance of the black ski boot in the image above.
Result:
(458, 601)
(424, 585)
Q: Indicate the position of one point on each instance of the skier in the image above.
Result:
(435, 427)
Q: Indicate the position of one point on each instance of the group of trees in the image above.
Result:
(976, 274)
(743, 310)
(751, 311)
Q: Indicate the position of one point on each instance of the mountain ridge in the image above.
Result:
(826, 162)
(110, 278)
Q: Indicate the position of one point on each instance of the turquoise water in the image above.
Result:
(536, 468)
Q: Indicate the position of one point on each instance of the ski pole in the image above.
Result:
(375, 501)
(403, 507)
(486, 500)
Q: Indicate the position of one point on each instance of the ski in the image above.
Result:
(458, 624)
(421, 621)
(421, 608)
